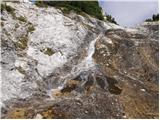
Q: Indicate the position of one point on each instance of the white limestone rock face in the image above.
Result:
(38, 42)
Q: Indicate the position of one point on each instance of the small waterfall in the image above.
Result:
(91, 50)
(86, 65)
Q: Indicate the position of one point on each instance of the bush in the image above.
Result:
(111, 19)
(21, 70)
(21, 44)
(21, 18)
(90, 7)
(7, 8)
(48, 51)
(31, 29)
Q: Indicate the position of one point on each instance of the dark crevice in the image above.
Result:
(113, 89)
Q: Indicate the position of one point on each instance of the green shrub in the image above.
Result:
(111, 19)
(21, 44)
(31, 29)
(2, 23)
(48, 51)
(90, 7)
(67, 8)
(21, 70)
(7, 8)
(21, 18)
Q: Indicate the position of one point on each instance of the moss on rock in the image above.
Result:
(31, 29)
(22, 19)
(22, 43)
(9, 9)
(21, 70)
(48, 51)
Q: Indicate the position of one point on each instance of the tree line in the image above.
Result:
(155, 17)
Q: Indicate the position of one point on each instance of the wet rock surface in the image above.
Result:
(86, 68)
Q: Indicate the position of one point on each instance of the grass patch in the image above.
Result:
(22, 43)
(21, 70)
(48, 51)
(31, 29)
(9, 9)
(21, 18)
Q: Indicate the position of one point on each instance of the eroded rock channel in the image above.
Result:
(71, 66)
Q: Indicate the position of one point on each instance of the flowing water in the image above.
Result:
(86, 65)
(88, 62)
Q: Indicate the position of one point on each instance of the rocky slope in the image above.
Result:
(57, 65)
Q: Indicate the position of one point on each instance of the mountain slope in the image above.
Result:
(48, 70)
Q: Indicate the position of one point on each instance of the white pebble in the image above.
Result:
(38, 116)
(143, 90)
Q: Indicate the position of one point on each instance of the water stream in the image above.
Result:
(86, 65)
(91, 50)
(88, 62)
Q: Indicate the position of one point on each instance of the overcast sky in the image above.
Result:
(130, 12)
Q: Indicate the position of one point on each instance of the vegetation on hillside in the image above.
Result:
(111, 19)
(7, 8)
(90, 7)
(154, 18)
